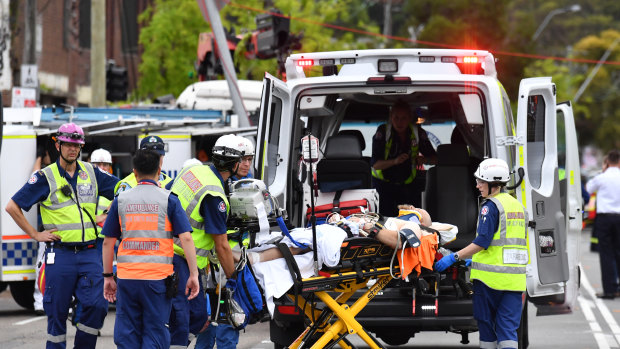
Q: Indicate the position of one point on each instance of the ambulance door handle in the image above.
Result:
(521, 173)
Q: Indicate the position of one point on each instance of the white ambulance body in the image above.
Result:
(457, 89)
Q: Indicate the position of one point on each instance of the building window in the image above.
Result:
(84, 27)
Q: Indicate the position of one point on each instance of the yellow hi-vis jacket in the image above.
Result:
(191, 186)
(415, 147)
(59, 211)
(502, 265)
(131, 182)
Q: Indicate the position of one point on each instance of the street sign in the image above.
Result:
(29, 76)
(24, 97)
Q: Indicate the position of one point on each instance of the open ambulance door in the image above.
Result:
(271, 148)
(539, 192)
(570, 194)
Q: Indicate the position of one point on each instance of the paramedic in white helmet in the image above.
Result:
(102, 159)
(499, 256)
(201, 192)
(246, 160)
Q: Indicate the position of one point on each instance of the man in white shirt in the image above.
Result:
(607, 225)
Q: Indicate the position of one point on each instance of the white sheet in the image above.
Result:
(274, 276)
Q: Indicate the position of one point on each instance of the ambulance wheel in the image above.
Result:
(3, 286)
(22, 293)
(522, 331)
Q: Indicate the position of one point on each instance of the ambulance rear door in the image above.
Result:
(539, 190)
(273, 137)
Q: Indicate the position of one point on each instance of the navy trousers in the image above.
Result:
(607, 228)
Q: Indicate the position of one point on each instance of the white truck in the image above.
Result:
(457, 89)
(185, 132)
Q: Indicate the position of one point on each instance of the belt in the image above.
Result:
(75, 248)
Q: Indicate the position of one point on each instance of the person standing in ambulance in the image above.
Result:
(398, 148)
(147, 218)
(201, 192)
(500, 255)
(67, 191)
(153, 143)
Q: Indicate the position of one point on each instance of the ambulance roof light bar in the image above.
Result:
(385, 61)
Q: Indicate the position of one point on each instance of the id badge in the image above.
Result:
(50, 258)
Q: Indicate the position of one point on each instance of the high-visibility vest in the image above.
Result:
(59, 211)
(102, 204)
(131, 181)
(191, 186)
(502, 265)
(415, 147)
(146, 251)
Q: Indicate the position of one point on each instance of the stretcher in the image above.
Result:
(325, 299)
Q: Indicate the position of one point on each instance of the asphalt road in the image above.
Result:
(593, 323)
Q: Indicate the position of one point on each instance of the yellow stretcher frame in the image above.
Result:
(344, 285)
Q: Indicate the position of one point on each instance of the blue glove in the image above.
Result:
(445, 262)
(468, 262)
(231, 284)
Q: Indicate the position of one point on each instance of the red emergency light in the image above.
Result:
(305, 62)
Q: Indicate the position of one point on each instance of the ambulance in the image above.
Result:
(457, 90)
(185, 133)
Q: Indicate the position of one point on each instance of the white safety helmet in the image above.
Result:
(493, 171)
(248, 147)
(227, 151)
(101, 155)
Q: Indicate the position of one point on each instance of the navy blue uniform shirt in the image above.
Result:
(212, 209)
(176, 216)
(488, 221)
(37, 189)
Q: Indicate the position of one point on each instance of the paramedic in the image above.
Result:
(153, 143)
(225, 331)
(102, 159)
(397, 149)
(67, 191)
(201, 192)
(607, 223)
(147, 218)
(499, 259)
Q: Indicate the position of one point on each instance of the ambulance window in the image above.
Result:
(272, 145)
(535, 138)
(472, 108)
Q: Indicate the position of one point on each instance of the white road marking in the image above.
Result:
(23, 322)
(600, 305)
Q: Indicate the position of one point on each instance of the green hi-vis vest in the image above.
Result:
(191, 186)
(102, 204)
(502, 265)
(131, 182)
(61, 212)
(415, 147)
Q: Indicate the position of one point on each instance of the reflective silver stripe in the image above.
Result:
(488, 345)
(192, 205)
(56, 339)
(178, 346)
(502, 218)
(508, 344)
(91, 199)
(69, 226)
(195, 224)
(56, 206)
(199, 251)
(102, 207)
(509, 241)
(144, 259)
(86, 329)
(51, 180)
(160, 234)
(498, 269)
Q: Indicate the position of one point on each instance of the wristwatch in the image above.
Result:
(376, 228)
(456, 257)
(107, 275)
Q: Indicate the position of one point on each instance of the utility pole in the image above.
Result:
(227, 63)
(97, 53)
(387, 18)
(30, 28)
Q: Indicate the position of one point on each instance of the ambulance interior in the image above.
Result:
(454, 121)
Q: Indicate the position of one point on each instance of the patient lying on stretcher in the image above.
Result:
(406, 229)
